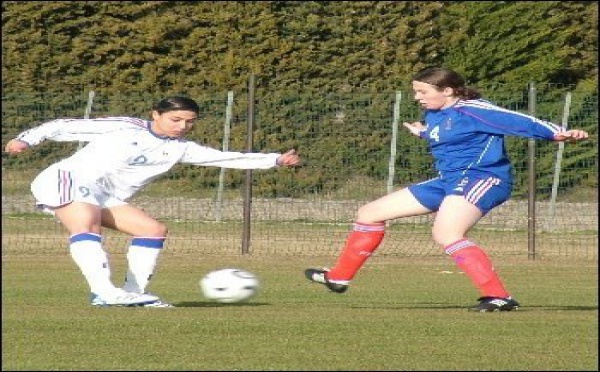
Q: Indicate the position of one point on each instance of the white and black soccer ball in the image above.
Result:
(229, 285)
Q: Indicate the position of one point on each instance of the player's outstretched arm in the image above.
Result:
(572, 135)
(16, 146)
(288, 159)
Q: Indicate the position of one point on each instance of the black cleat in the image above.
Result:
(493, 304)
(318, 276)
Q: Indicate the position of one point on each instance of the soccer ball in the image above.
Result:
(229, 285)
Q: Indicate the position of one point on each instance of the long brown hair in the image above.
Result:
(446, 78)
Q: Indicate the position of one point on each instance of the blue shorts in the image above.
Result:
(485, 192)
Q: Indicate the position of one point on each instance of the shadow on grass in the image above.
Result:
(216, 304)
(411, 306)
(560, 308)
(436, 306)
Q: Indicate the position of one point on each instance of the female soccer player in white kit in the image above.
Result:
(89, 190)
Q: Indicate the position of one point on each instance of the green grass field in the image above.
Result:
(399, 314)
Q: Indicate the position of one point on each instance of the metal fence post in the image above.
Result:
(87, 112)
(226, 134)
(394, 143)
(248, 183)
(531, 216)
(557, 165)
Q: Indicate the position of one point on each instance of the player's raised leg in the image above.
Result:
(366, 236)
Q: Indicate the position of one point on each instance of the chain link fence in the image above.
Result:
(354, 150)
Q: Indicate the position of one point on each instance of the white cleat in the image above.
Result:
(158, 303)
(123, 298)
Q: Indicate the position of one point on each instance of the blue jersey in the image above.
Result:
(469, 137)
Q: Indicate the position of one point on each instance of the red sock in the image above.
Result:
(361, 243)
(478, 267)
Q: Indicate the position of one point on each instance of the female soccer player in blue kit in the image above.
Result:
(89, 190)
(466, 137)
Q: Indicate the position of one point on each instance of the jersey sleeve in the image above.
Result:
(205, 156)
(496, 120)
(84, 130)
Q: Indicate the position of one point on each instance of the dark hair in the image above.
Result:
(176, 103)
(446, 78)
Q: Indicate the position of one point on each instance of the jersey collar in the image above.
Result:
(159, 136)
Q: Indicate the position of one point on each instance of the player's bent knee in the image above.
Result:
(444, 238)
(157, 229)
(162, 229)
(365, 215)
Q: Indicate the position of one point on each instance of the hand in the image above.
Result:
(15, 146)
(572, 135)
(289, 159)
(415, 128)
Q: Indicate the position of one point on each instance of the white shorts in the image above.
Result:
(55, 187)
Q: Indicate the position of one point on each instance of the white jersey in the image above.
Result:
(123, 154)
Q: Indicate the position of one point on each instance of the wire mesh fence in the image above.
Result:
(354, 150)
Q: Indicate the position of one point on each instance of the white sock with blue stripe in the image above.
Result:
(86, 250)
(141, 258)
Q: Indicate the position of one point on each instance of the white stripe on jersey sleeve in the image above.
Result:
(485, 105)
(84, 130)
